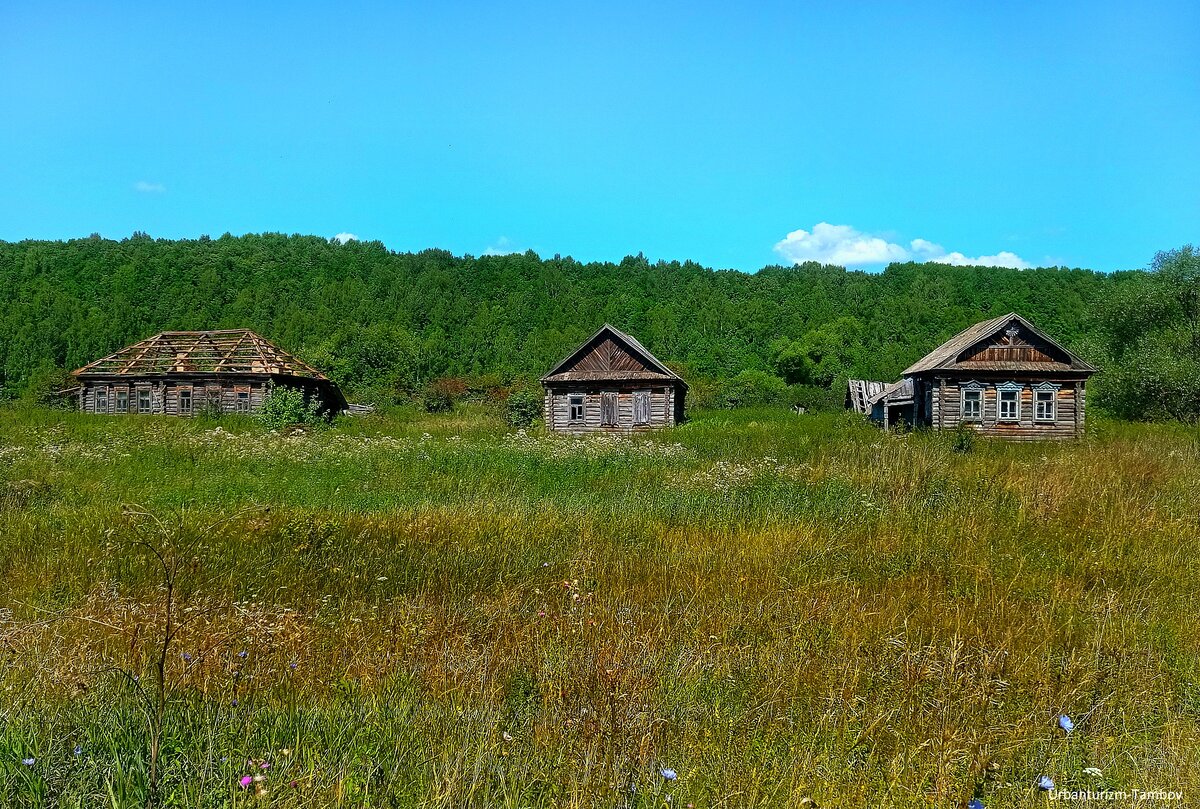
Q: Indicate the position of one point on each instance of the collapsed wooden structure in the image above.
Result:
(181, 373)
(1002, 377)
(612, 383)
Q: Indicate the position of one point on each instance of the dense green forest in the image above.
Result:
(388, 325)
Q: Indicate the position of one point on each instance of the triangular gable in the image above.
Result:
(987, 343)
(612, 352)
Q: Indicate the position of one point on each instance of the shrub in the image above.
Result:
(754, 388)
(523, 407)
(285, 407)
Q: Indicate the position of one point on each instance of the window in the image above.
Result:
(576, 406)
(143, 401)
(972, 404)
(243, 401)
(1045, 400)
(122, 401)
(641, 407)
(1009, 398)
(608, 408)
(185, 401)
(102, 400)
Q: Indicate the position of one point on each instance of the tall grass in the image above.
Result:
(418, 611)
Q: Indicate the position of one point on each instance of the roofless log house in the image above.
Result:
(180, 373)
(1001, 377)
(612, 383)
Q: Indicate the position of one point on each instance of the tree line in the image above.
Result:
(390, 326)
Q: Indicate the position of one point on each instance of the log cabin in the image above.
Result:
(1002, 377)
(182, 373)
(612, 383)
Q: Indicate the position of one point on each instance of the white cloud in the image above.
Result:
(502, 247)
(838, 244)
(144, 187)
(1001, 259)
(850, 247)
(342, 238)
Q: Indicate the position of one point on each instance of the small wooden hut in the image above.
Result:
(612, 383)
(181, 373)
(1001, 377)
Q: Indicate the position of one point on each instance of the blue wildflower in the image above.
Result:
(668, 774)
(975, 803)
(242, 654)
(29, 762)
(187, 658)
(1045, 783)
(1066, 724)
(78, 750)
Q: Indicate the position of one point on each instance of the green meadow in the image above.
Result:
(754, 609)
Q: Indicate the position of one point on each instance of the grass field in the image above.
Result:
(438, 611)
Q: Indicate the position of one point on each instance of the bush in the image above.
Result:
(440, 395)
(814, 398)
(286, 407)
(753, 389)
(45, 385)
(523, 407)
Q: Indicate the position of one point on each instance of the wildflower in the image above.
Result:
(1092, 771)
(29, 762)
(975, 803)
(1066, 724)
(668, 774)
(506, 736)
(1045, 783)
(187, 658)
(381, 578)
(78, 750)
(545, 564)
(234, 703)
(292, 666)
(242, 654)
(541, 613)
(266, 765)
(245, 781)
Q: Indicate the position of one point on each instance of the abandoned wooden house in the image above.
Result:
(1002, 377)
(182, 373)
(612, 383)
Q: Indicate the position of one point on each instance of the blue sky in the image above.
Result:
(736, 136)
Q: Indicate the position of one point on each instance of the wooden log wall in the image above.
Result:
(558, 409)
(945, 400)
(220, 394)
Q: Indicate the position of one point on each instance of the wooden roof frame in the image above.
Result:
(220, 352)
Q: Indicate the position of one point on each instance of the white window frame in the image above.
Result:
(1043, 388)
(117, 400)
(1010, 388)
(571, 397)
(976, 388)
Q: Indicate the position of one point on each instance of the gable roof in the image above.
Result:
(227, 351)
(946, 356)
(563, 373)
